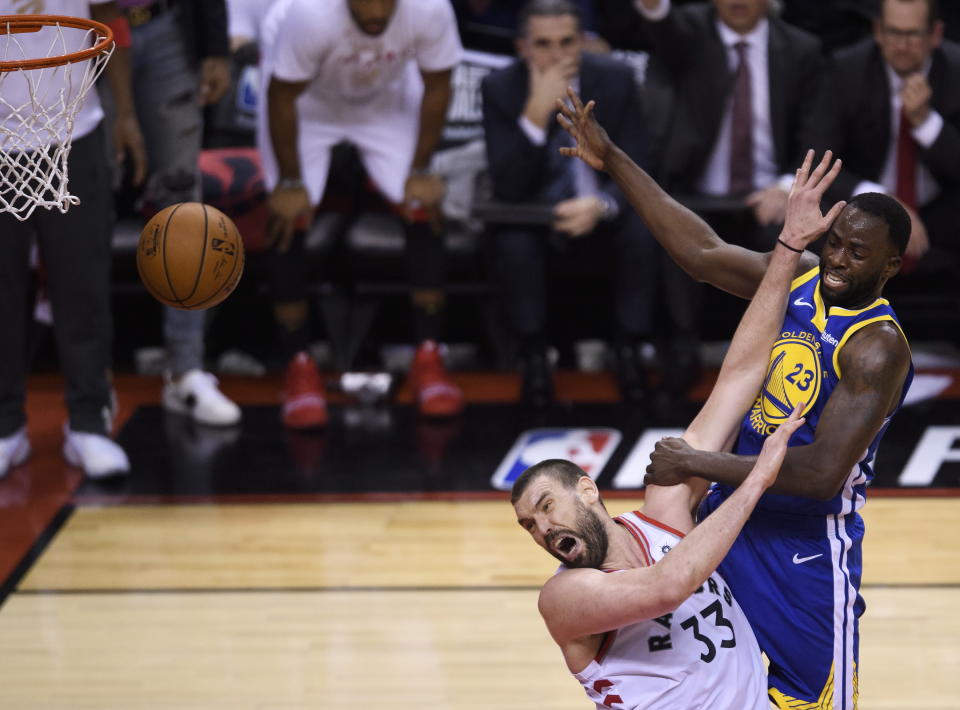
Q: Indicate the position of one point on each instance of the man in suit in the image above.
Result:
(585, 215)
(738, 83)
(892, 111)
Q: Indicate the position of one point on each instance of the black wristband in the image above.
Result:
(796, 251)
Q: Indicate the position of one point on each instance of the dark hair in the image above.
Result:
(558, 469)
(933, 10)
(890, 211)
(547, 8)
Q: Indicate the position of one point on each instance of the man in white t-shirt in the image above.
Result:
(376, 75)
(637, 608)
(74, 247)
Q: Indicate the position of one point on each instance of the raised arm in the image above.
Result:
(748, 357)
(582, 602)
(687, 238)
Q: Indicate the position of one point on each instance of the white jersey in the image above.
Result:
(701, 655)
(37, 45)
(361, 88)
(245, 18)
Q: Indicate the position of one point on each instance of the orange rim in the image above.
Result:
(18, 24)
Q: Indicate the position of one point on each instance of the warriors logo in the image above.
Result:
(794, 377)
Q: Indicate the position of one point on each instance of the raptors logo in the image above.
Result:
(794, 377)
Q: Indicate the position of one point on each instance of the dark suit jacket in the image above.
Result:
(690, 58)
(855, 116)
(517, 166)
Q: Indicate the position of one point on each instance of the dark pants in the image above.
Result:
(521, 256)
(76, 251)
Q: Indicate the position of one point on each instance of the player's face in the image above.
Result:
(372, 16)
(857, 259)
(905, 36)
(562, 524)
(741, 15)
(551, 40)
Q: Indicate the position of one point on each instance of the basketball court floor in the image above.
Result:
(377, 565)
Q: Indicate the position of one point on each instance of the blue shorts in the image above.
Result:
(797, 578)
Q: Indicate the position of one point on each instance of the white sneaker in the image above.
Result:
(98, 455)
(14, 450)
(196, 394)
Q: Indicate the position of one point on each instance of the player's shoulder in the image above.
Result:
(878, 349)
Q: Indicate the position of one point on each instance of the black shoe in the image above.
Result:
(537, 388)
(632, 374)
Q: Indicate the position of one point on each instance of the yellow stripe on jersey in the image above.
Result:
(856, 327)
(803, 278)
(838, 311)
(824, 702)
(820, 314)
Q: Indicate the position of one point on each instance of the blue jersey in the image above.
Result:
(805, 368)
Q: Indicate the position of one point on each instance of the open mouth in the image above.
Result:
(566, 546)
(833, 281)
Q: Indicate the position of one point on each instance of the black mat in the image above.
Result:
(392, 450)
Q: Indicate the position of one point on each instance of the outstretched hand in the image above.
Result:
(804, 222)
(593, 143)
(767, 467)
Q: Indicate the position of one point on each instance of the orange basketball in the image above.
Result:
(190, 256)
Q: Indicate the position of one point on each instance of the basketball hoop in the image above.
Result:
(48, 63)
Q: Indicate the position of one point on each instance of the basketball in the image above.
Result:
(190, 256)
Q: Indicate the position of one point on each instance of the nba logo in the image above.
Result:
(589, 448)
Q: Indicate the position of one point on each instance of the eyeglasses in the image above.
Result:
(905, 35)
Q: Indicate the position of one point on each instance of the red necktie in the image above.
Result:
(906, 164)
(906, 176)
(741, 127)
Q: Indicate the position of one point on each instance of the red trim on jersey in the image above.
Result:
(660, 525)
(605, 645)
(639, 537)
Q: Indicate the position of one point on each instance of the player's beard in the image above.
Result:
(858, 293)
(589, 528)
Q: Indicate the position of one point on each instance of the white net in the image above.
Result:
(38, 107)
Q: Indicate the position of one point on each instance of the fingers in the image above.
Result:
(828, 179)
(589, 109)
(834, 213)
(804, 170)
(821, 168)
(794, 421)
(564, 110)
(575, 99)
